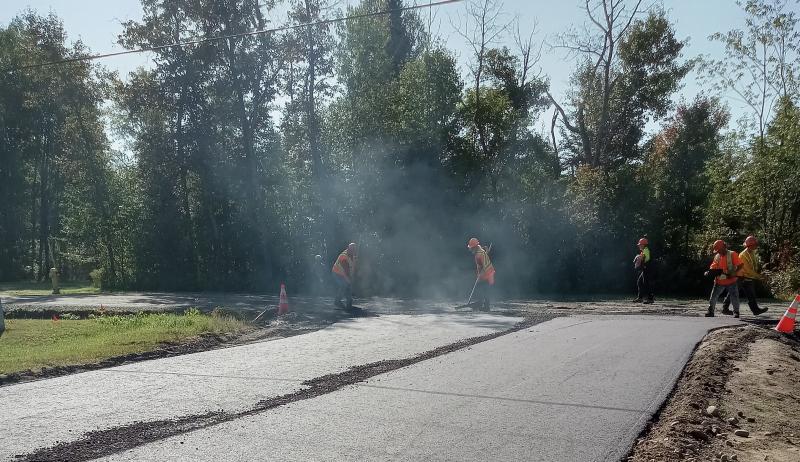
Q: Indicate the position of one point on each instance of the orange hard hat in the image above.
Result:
(643, 241)
(473, 242)
(751, 241)
(351, 249)
(718, 245)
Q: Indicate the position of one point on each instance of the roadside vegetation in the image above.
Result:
(26, 288)
(31, 344)
(388, 138)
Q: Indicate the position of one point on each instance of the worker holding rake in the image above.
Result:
(343, 273)
(484, 274)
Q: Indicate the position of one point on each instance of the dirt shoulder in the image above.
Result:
(736, 400)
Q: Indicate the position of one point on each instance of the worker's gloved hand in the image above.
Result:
(713, 273)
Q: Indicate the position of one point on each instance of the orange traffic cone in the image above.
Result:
(283, 306)
(786, 324)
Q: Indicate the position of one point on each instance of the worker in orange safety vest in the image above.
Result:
(484, 273)
(724, 269)
(344, 270)
(748, 275)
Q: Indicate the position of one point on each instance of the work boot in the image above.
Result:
(759, 311)
(638, 300)
(649, 301)
(710, 313)
(726, 311)
(735, 314)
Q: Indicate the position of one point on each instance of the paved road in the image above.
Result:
(574, 388)
(579, 388)
(38, 414)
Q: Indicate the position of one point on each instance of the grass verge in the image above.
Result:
(31, 288)
(32, 344)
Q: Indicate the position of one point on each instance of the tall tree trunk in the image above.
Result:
(319, 173)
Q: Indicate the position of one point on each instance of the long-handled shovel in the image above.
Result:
(262, 313)
(469, 302)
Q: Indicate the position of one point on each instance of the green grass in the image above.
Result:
(34, 343)
(26, 288)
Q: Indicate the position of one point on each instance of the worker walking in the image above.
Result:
(642, 264)
(344, 270)
(748, 275)
(484, 273)
(724, 268)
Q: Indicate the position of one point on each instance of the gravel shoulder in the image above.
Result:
(735, 401)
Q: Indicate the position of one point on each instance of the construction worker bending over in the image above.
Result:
(344, 270)
(484, 273)
(748, 275)
(724, 268)
(644, 281)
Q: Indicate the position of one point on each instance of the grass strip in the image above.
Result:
(33, 344)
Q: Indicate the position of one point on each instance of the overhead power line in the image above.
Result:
(233, 36)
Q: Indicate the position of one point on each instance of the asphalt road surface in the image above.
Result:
(42, 413)
(573, 388)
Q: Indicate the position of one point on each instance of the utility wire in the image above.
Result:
(226, 37)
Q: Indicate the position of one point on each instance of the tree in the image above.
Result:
(760, 64)
(627, 70)
(771, 198)
(482, 30)
(307, 82)
(55, 154)
(674, 169)
(206, 145)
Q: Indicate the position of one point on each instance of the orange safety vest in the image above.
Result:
(484, 266)
(728, 267)
(339, 268)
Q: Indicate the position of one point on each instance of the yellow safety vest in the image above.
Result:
(487, 262)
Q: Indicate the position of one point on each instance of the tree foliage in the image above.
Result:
(231, 163)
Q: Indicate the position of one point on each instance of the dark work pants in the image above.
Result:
(343, 290)
(644, 284)
(483, 294)
(748, 288)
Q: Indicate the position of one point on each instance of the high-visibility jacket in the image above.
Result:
(728, 264)
(750, 264)
(644, 257)
(344, 266)
(483, 266)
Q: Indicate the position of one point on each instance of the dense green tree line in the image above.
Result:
(246, 157)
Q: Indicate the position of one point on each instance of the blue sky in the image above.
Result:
(97, 23)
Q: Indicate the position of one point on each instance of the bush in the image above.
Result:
(193, 311)
(97, 278)
(785, 283)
